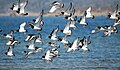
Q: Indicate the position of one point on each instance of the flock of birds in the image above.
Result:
(36, 24)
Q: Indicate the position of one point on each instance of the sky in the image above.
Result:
(37, 5)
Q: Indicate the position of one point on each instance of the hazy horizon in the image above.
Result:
(38, 5)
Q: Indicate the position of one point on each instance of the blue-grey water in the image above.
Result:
(104, 52)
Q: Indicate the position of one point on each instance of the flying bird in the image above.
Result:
(31, 46)
(39, 19)
(9, 35)
(84, 43)
(115, 14)
(10, 51)
(67, 30)
(35, 27)
(22, 28)
(36, 50)
(53, 34)
(50, 54)
(15, 6)
(82, 21)
(74, 45)
(55, 5)
(12, 42)
(29, 37)
(21, 9)
(66, 12)
(88, 13)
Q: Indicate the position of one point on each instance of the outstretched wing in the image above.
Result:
(67, 27)
(22, 6)
(69, 7)
(40, 17)
(53, 9)
(23, 25)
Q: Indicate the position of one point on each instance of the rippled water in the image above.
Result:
(104, 52)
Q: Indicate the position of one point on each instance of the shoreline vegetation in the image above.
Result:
(98, 12)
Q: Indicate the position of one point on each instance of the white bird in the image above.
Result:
(110, 30)
(21, 9)
(72, 16)
(38, 20)
(67, 12)
(9, 35)
(32, 51)
(72, 24)
(29, 37)
(50, 54)
(63, 40)
(107, 32)
(35, 27)
(39, 39)
(55, 5)
(31, 46)
(9, 42)
(10, 51)
(74, 46)
(53, 34)
(22, 28)
(67, 30)
(55, 52)
(115, 14)
(117, 22)
(82, 21)
(14, 6)
(84, 43)
(52, 44)
(12, 42)
(99, 28)
(88, 13)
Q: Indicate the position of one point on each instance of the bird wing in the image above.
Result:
(40, 36)
(73, 11)
(53, 9)
(40, 17)
(82, 19)
(28, 53)
(67, 27)
(89, 9)
(48, 55)
(10, 49)
(23, 25)
(33, 40)
(38, 49)
(116, 10)
(74, 45)
(55, 32)
(15, 8)
(22, 6)
(69, 8)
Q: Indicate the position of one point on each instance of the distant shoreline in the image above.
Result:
(78, 13)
